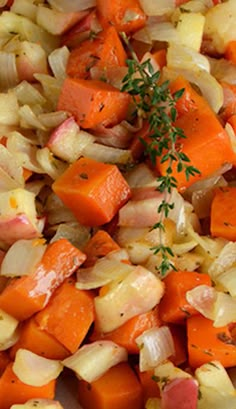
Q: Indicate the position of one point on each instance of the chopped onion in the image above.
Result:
(202, 298)
(137, 293)
(182, 57)
(9, 165)
(52, 119)
(8, 326)
(9, 108)
(50, 165)
(161, 31)
(25, 8)
(39, 403)
(27, 94)
(152, 8)
(72, 5)
(103, 272)
(226, 258)
(77, 234)
(141, 175)
(8, 77)
(51, 88)
(56, 211)
(103, 153)
(22, 257)
(151, 403)
(224, 310)
(91, 361)
(28, 118)
(211, 247)
(58, 60)
(223, 70)
(35, 370)
(213, 375)
(9, 342)
(156, 345)
(228, 281)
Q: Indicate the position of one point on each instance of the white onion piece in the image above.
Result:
(226, 258)
(52, 119)
(107, 154)
(151, 403)
(211, 246)
(137, 293)
(77, 234)
(58, 60)
(6, 182)
(182, 57)
(214, 375)
(91, 361)
(12, 340)
(228, 281)
(103, 272)
(8, 326)
(152, 8)
(9, 165)
(51, 88)
(22, 257)
(141, 175)
(35, 370)
(161, 31)
(50, 165)
(223, 70)
(9, 108)
(203, 298)
(72, 5)
(56, 211)
(8, 77)
(156, 345)
(25, 8)
(28, 118)
(40, 403)
(193, 38)
(27, 94)
(224, 310)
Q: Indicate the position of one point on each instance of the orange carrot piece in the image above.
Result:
(93, 102)
(68, 316)
(94, 191)
(207, 343)
(204, 133)
(160, 57)
(104, 51)
(99, 246)
(173, 306)
(223, 217)
(13, 391)
(124, 15)
(33, 338)
(29, 294)
(27, 173)
(119, 388)
(4, 361)
(126, 334)
(230, 52)
(149, 386)
(232, 121)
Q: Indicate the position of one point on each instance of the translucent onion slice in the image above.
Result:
(156, 345)
(52, 119)
(28, 118)
(151, 403)
(22, 257)
(152, 8)
(141, 175)
(56, 211)
(77, 234)
(12, 340)
(51, 88)
(9, 165)
(35, 370)
(9, 108)
(25, 8)
(39, 403)
(214, 375)
(91, 361)
(203, 298)
(103, 272)
(107, 154)
(58, 60)
(228, 281)
(49, 164)
(226, 258)
(182, 57)
(223, 70)
(8, 326)
(137, 293)
(27, 94)
(8, 76)
(224, 310)
(72, 5)
(161, 31)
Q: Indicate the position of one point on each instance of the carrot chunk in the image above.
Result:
(223, 217)
(94, 191)
(36, 340)
(207, 343)
(13, 391)
(119, 388)
(104, 51)
(68, 316)
(93, 102)
(124, 15)
(230, 52)
(99, 246)
(29, 294)
(173, 306)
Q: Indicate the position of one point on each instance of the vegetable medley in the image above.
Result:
(117, 203)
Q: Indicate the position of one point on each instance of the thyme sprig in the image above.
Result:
(155, 103)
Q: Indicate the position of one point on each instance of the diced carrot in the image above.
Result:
(27, 173)
(207, 144)
(190, 100)
(124, 15)
(81, 31)
(173, 306)
(13, 391)
(104, 51)
(160, 57)
(93, 102)
(180, 344)
(223, 217)
(149, 386)
(26, 295)
(4, 361)
(207, 343)
(230, 51)
(100, 244)
(119, 388)
(126, 334)
(137, 146)
(36, 340)
(94, 191)
(68, 316)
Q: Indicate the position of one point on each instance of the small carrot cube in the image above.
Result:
(94, 191)
(223, 217)
(93, 102)
(99, 246)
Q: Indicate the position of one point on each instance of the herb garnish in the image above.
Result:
(155, 104)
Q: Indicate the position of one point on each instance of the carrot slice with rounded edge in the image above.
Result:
(223, 217)
(29, 294)
(94, 191)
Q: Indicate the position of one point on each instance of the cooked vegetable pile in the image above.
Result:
(117, 203)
